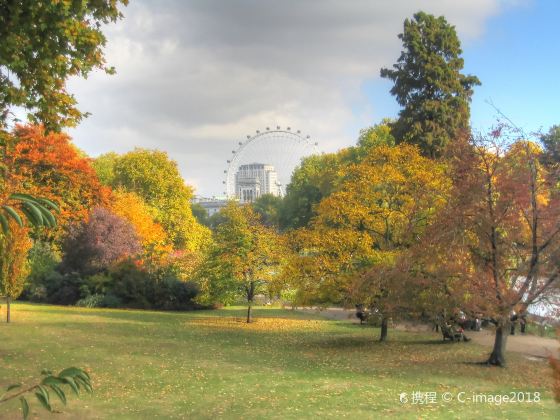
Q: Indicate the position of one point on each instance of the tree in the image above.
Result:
(13, 203)
(503, 224)
(268, 206)
(131, 207)
(310, 182)
(245, 259)
(429, 85)
(50, 166)
(98, 243)
(44, 44)
(104, 166)
(379, 209)
(551, 143)
(200, 214)
(318, 176)
(154, 177)
(14, 246)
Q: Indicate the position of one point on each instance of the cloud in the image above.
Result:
(194, 77)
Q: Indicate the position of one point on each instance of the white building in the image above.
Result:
(254, 180)
(211, 205)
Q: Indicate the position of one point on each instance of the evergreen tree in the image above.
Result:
(429, 85)
(551, 143)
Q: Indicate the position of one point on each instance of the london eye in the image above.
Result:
(281, 148)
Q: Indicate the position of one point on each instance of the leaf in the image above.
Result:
(24, 407)
(14, 214)
(4, 223)
(72, 385)
(35, 211)
(37, 208)
(85, 383)
(49, 203)
(48, 217)
(71, 371)
(30, 217)
(52, 380)
(21, 196)
(42, 395)
(59, 392)
(13, 386)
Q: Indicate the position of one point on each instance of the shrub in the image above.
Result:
(173, 294)
(64, 289)
(124, 285)
(97, 244)
(43, 260)
(131, 285)
(111, 301)
(91, 301)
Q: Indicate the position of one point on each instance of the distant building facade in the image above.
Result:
(211, 205)
(256, 179)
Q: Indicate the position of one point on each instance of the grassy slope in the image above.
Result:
(285, 365)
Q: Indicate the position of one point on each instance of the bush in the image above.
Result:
(173, 294)
(125, 285)
(42, 263)
(91, 301)
(111, 301)
(96, 244)
(131, 285)
(65, 289)
(138, 289)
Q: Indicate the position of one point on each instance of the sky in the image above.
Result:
(195, 77)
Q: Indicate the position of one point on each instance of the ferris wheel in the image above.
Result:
(282, 148)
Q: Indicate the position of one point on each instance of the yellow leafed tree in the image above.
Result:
(14, 247)
(130, 206)
(380, 208)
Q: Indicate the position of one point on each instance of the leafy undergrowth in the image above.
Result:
(286, 364)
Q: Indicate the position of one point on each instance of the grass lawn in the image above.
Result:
(209, 364)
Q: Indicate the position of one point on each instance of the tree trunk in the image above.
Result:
(383, 336)
(497, 356)
(249, 306)
(8, 309)
(250, 296)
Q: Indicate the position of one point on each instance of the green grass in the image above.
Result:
(209, 364)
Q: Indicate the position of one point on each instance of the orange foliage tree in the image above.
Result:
(50, 166)
(495, 248)
(133, 208)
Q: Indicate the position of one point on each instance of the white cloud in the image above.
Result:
(193, 77)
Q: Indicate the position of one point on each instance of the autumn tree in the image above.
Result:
(43, 45)
(153, 176)
(429, 85)
(318, 176)
(245, 259)
(14, 246)
(503, 225)
(50, 166)
(379, 209)
(99, 242)
(151, 234)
